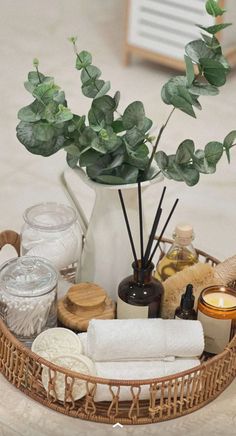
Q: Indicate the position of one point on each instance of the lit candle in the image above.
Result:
(220, 299)
(217, 313)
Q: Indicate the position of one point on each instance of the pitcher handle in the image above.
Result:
(81, 215)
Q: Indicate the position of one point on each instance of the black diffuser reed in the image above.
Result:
(147, 255)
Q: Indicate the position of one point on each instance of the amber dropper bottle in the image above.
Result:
(186, 310)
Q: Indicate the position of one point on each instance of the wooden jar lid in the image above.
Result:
(83, 302)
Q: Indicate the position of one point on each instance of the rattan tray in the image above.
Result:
(170, 397)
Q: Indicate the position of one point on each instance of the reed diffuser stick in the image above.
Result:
(128, 226)
(152, 236)
(140, 223)
(163, 230)
(154, 228)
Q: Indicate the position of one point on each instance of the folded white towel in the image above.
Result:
(143, 339)
(137, 371)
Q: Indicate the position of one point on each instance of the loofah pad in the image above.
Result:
(200, 276)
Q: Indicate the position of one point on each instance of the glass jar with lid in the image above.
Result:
(52, 231)
(28, 296)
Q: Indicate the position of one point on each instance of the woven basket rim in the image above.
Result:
(107, 381)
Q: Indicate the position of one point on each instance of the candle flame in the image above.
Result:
(221, 302)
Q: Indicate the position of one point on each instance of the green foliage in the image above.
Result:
(213, 8)
(187, 164)
(114, 147)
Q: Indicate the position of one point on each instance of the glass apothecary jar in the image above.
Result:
(28, 296)
(52, 231)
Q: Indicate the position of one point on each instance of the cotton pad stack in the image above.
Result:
(63, 348)
(139, 349)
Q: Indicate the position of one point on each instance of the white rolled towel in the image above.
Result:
(143, 339)
(138, 371)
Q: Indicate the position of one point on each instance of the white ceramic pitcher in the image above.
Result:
(106, 256)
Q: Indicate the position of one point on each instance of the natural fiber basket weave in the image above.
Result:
(169, 398)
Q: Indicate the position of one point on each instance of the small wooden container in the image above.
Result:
(83, 302)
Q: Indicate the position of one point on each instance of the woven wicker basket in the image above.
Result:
(170, 397)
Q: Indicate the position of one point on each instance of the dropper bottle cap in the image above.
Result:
(187, 299)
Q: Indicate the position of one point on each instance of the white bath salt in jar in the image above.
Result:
(28, 296)
(52, 231)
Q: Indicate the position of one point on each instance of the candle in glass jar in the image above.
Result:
(220, 299)
(217, 313)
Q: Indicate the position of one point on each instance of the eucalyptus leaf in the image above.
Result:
(35, 78)
(161, 159)
(203, 166)
(134, 115)
(64, 114)
(87, 136)
(213, 71)
(189, 70)
(213, 8)
(43, 131)
(133, 137)
(72, 150)
(31, 113)
(199, 88)
(116, 162)
(211, 41)
(198, 49)
(117, 125)
(92, 87)
(72, 160)
(88, 158)
(196, 102)
(185, 152)
(117, 99)
(102, 110)
(215, 28)
(60, 98)
(128, 173)
(182, 104)
(213, 152)
(175, 92)
(83, 60)
(111, 141)
(229, 142)
(188, 173)
(96, 169)
(91, 72)
(138, 157)
(104, 89)
(29, 135)
(45, 92)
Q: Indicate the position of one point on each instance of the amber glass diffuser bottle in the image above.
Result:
(139, 295)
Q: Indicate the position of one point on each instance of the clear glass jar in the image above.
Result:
(52, 231)
(28, 296)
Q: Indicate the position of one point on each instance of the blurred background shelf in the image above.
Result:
(158, 30)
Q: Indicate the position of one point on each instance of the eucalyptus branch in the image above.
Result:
(114, 147)
(85, 68)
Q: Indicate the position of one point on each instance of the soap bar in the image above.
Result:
(81, 364)
(55, 342)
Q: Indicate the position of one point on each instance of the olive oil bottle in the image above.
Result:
(180, 255)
